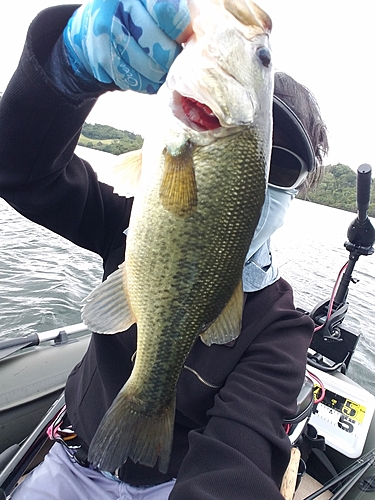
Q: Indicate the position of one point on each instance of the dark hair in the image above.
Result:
(303, 103)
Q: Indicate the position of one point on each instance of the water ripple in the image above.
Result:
(44, 277)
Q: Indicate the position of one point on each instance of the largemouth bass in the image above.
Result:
(197, 203)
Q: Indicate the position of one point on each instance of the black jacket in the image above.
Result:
(231, 400)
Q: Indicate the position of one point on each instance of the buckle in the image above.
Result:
(66, 436)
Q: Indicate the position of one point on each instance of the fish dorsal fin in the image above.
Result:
(107, 308)
(126, 173)
(227, 326)
(178, 190)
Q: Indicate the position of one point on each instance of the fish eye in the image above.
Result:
(264, 56)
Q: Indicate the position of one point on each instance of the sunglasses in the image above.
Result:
(287, 170)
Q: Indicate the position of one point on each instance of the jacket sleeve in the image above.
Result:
(40, 176)
(243, 451)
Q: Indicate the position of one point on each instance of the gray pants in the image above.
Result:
(59, 477)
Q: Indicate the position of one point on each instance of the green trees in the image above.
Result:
(338, 190)
(109, 139)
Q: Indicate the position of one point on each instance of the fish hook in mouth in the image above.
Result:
(199, 114)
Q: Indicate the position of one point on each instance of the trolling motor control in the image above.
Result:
(328, 315)
(361, 233)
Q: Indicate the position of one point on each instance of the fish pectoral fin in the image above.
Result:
(178, 190)
(126, 173)
(227, 326)
(107, 308)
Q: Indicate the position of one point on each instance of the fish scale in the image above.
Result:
(210, 233)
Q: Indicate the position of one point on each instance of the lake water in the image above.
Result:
(43, 277)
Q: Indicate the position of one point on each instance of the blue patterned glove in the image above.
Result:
(126, 42)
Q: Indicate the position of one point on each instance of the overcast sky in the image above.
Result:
(328, 45)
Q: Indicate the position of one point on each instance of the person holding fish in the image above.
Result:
(198, 353)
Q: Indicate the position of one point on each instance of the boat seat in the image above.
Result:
(305, 403)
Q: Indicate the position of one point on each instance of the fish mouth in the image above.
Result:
(199, 114)
(194, 114)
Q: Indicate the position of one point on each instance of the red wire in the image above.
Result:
(320, 384)
(333, 295)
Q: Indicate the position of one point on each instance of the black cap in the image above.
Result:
(293, 132)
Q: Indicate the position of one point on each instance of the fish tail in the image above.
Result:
(127, 432)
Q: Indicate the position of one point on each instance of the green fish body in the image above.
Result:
(197, 205)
